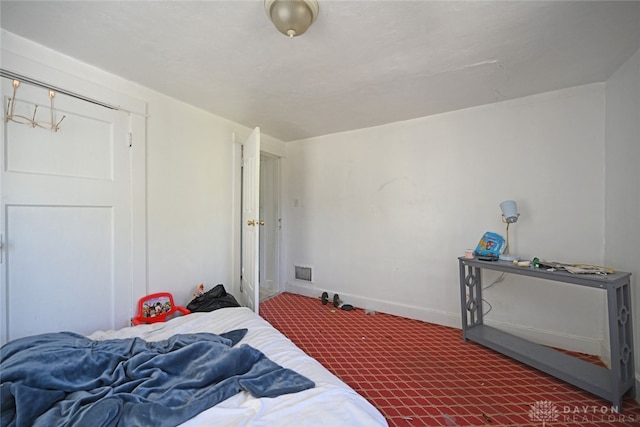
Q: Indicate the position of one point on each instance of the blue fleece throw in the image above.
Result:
(67, 379)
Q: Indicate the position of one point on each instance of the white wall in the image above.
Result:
(189, 189)
(188, 192)
(382, 213)
(622, 188)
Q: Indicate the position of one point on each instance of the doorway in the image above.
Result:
(270, 232)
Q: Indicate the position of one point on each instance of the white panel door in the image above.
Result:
(65, 216)
(250, 290)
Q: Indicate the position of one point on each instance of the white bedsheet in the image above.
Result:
(330, 403)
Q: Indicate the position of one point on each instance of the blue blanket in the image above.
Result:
(67, 379)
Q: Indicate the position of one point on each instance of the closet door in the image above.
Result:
(66, 216)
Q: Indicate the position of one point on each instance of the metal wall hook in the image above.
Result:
(17, 118)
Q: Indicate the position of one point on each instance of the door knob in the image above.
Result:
(251, 223)
(261, 222)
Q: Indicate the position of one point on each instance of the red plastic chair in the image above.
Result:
(156, 308)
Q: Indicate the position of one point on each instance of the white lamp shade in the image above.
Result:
(509, 211)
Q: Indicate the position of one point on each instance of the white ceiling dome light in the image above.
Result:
(292, 17)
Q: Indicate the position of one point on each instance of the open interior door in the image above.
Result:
(249, 289)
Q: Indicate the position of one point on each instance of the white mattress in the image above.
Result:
(330, 403)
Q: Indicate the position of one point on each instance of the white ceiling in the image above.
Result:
(361, 64)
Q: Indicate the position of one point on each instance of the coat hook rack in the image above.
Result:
(17, 118)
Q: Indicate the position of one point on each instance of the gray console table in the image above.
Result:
(611, 384)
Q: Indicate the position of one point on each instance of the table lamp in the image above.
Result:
(509, 216)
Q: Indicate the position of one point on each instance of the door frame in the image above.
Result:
(274, 203)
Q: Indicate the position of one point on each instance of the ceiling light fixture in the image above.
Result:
(292, 17)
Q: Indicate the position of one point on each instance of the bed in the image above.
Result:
(329, 401)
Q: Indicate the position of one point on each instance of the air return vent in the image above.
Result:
(303, 273)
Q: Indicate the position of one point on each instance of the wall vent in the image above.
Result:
(303, 273)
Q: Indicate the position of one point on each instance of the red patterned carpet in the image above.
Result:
(421, 374)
